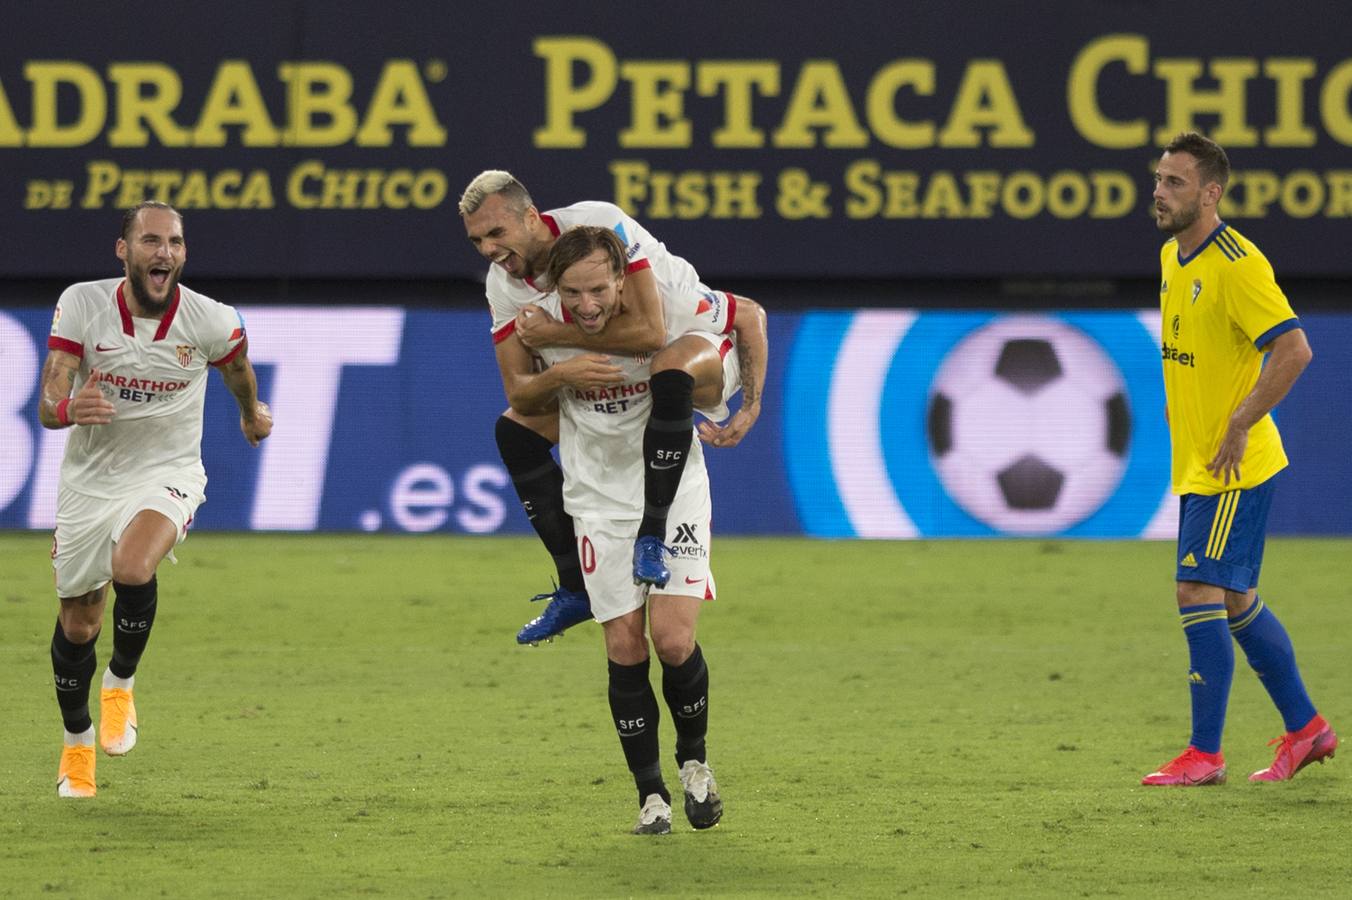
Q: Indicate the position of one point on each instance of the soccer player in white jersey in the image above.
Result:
(506, 228)
(605, 403)
(126, 369)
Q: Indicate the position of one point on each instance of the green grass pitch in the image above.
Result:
(349, 716)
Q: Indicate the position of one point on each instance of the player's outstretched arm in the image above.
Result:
(533, 393)
(1288, 358)
(753, 351)
(255, 419)
(57, 408)
(640, 328)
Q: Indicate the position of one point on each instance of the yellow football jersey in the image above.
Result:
(1220, 308)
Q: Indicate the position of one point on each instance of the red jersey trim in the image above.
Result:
(550, 224)
(504, 332)
(168, 317)
(65, 345)
(244, 342)
(637, 265)
(732, 313)
(724, 347)
(127, 327)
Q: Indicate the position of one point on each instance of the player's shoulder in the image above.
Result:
(89, 294)
(498, 283)
(589, 212)
(1235, 248)
(1238, 257)
(195, 303)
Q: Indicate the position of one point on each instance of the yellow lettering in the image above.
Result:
(1302, 194)
(735, 195)
(1290, 129)
(657, 117)
(631, 179)
(195, 194)
(943, 200)
(221, 187)
(103, 176)
(257, 191)
(133, 187)
(1083, 97)
(984, 189)
(1067, 195)
(1184, 100)
(1114, 195)
(319, 111)
(820, 100)
(92, 108)
(1340, 193)
(296, 188)
(234, 99)
(1333, 103)
(985, 99)
(1022, 195)
(861, 181)
(738, 79)
(564, 98)
(136, 109)
(10, 133)
(400, 98)
(1261, 187)
(881, 108)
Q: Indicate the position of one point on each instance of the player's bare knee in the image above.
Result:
(625, 642)
(133, 568)
(82, 617)
(674, 647)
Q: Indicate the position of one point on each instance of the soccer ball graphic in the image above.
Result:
(1028, 425)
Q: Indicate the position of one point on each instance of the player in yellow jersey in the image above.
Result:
(1222, 313)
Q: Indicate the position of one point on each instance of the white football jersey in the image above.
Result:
(675, 277)
(154, 372)
(601, 431)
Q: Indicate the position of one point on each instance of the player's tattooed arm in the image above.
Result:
(753, 350)
(532, 393)
(639, 328)
(57, 408)
(255, 419)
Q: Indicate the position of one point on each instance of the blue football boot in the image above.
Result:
(566, 608)
(649, 566)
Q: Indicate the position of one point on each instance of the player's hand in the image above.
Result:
(533, 326)
(730, 434)
(1225, 463)
(89, 406)
(590, 371)
(259, 427)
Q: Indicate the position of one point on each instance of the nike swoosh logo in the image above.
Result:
(689, 580)
(654, 465)
(103, 349)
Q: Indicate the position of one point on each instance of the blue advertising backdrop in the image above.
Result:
(385, 416)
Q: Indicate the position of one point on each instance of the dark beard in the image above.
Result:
(1181, 222)
(143, 298)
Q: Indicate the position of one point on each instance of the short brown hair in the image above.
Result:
(129, 217)
(1212, 163)
(576, 244)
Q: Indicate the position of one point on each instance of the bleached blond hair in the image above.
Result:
(490, 182)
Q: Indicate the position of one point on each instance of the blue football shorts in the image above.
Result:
(1221, 536)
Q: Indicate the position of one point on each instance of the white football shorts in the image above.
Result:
(607, 551)
(88, 527)
(732, 374)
